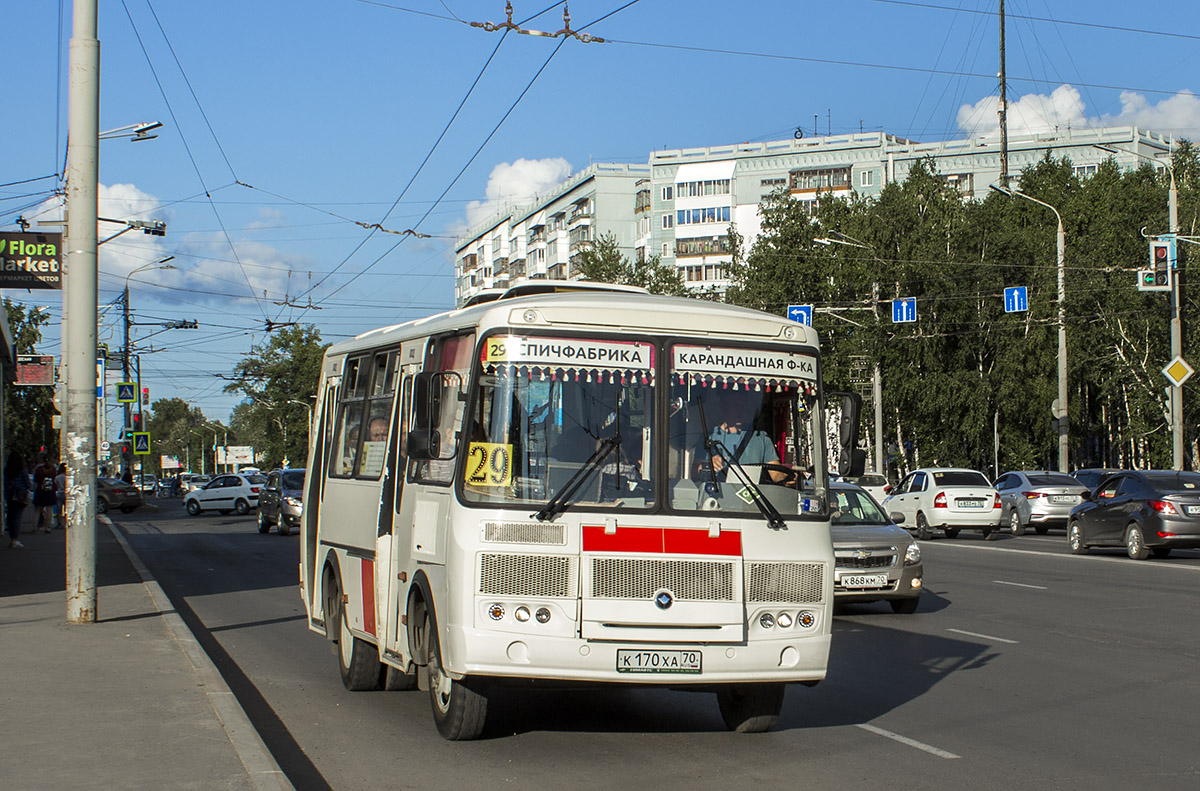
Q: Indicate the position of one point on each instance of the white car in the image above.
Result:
(225, 493)
(949, 498)
(876, 485)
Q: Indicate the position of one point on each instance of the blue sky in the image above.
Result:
(285, 124)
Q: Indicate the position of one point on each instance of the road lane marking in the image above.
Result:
(1021, 585)
(984, 636)
(905, 740)
(1126, 562)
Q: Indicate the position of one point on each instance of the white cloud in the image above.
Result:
(517, 182)
(1064, 108)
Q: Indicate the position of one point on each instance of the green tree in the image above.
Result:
(279, 379)
(178, 429)
(603, 262)
(28, 410)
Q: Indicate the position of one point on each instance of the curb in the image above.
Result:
(260, 765)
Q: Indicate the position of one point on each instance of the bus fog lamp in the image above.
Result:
(496, 612)
(521, 613)
(542, 614)
(766, 620)
(806, 619)
(784, 619)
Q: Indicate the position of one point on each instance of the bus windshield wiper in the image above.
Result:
(563, 498)
(769, 512)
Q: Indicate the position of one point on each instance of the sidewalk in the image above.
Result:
(130, 701)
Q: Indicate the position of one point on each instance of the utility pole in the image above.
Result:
(1003, 108)
(1176, 330)
(83, 173)
(126, 461)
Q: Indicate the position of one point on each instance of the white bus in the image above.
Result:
(570, 484)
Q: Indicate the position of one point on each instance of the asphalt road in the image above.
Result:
(1025, 667)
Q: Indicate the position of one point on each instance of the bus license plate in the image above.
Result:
(634, 661)
(864, 580)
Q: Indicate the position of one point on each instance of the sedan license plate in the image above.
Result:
(973, 503)
(634, 661)
(1062, 498)
(1193, 509)
(864, 580)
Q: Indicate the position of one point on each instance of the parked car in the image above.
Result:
(874, 559)
(1092, 476)
(876, 484)
(197, 482)
(225, 493)
(1037, 499)
(1148, 511)
(950, 498)
(113, 493)
(281, 501)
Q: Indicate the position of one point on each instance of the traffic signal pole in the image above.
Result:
(126, 462)
(79, 302)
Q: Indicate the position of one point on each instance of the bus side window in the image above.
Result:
(403, 420)
(452, 356)
(378, 415)
(348, 425)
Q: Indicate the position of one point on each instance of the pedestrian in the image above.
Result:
(44, 498)
(16, 493)
(60, 494)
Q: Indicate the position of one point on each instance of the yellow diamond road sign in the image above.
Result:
(1178, 371)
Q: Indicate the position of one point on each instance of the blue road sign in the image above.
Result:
(126, 392)
(141, 443)
(800, 313)
(904, 310)
(1016, 299)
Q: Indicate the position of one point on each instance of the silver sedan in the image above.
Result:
(1037, 498)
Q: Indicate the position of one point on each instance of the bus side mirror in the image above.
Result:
(423, 444)
(427, 400)
(852, 460)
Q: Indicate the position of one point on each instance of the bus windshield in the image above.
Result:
(546, 406)
(573, 423)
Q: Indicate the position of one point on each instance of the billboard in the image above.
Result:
(30, 260)
(235, 454)
(35, 369)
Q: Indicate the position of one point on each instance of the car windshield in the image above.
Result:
(293, 479)
(1052, 479)
(854, 507)
(960, 478)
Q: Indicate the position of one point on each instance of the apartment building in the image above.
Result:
(681, 203)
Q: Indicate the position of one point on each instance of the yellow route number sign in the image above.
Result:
(489, 464)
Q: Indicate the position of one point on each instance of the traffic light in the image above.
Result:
(1162, 263)
(145, 396)
(137, 423)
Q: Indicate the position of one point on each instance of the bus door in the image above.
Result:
(314, 488)
(395, 512)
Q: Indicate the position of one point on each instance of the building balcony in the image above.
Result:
(469, 262)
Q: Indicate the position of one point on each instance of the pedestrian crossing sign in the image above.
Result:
(141, 443)
(126, 392)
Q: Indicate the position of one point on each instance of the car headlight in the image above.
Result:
(295, 502)
(912, 555)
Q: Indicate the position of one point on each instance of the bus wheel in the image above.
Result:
(393, 679)
(458, 712)
(357, 659)
(750, 708)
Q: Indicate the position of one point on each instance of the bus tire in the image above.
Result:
(458, 711)
(750, 708)
(357, 659)
(393, 679)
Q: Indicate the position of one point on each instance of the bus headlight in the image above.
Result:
(766, 620)
(784, 620)
(521, 613)
(542, 614)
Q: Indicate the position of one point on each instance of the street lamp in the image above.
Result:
(1176, 324)
(307, 406)
(1061, 411)
(876, 380)
(213, 428)
(126, 352)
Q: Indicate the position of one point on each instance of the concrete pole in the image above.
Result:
(1063, 412)
(83, 173)
(1176, 332)
(126, 466)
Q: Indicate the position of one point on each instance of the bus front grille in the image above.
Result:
(642, 578)
(527, 575)
(524, 533)
(790, 583)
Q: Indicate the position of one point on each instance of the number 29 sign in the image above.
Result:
(489, 464)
